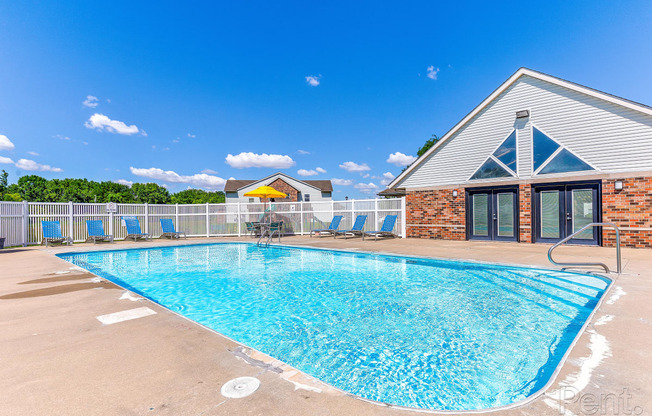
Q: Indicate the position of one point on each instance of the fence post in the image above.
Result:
(176, 216)
(403, 218)
(146, 217)
(332, 208)
(71, 226)
(301, 216)
(111, 214)
(25, 222)
(208, 222)
(376, 214)
(239, 220)
(352, 212)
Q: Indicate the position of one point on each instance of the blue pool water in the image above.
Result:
(407, 331)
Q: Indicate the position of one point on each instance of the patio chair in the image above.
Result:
(253, 228)
(168, 229)
(355, 230)
(332, 228)
(52, 233)
(385, 231)
(133, 229)
(276, 227)
(96, 232)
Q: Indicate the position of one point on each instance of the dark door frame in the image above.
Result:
(492, 235)
(564, 208)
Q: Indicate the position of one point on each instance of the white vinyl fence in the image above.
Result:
(20, 222)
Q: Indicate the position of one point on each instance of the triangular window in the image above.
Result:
(501, 163)
(551, 157)
(565, 161)
(543, 147)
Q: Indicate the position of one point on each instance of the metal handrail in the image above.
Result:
(584, 264)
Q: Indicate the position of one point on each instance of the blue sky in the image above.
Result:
(177, 87)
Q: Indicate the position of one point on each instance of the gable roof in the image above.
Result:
(510, 81)
(234, 185)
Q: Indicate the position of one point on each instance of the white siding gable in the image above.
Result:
(608, 136)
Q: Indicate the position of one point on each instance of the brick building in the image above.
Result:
(297, 190)
(536, 161)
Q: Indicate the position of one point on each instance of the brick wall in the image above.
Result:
(282, 186)
(630, 209)
(436, 214)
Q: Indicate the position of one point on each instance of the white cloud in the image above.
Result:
(365, 175)
(254, 160)
(90, 101)
(26, 164)
(6, 160)
(387, 178)
(124, 182)
(33, 153)
(304, 172)
(366, 188)
(342, 182)
(311, 172)
(354, 167)
(61, 137)
(101, 122)
(303, 152)
(201, 180)
(192, 136)
(209, 171)
(5, 143)
(176, 140)
(432, 72)
(313, 80)
(399, 159)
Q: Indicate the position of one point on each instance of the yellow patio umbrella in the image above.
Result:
(265, 192)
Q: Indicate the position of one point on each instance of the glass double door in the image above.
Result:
(561, 210)
(493, 214)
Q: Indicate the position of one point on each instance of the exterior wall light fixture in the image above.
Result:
(454, 193)
(618, 185)
(523, 114)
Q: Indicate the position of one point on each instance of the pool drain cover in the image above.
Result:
(240, 387)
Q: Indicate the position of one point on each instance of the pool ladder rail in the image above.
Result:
(590, 264)
(270, 236)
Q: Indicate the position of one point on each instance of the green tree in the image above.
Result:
(423, 149)
(427, 145)
(33, 188)
(4, 182)
(197, 196)
(11, 197)
(150, 193)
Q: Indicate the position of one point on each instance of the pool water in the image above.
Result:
(413, 332)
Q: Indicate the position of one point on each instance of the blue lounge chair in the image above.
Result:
(96, 232)
(133, 229)
(385, 231)
(355, 230)
(52, 233)
(334, 225)
(168, 229)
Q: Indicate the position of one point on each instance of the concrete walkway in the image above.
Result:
(57, 358)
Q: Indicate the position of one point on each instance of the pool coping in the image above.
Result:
(542, 391)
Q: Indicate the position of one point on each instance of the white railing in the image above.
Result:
(20, 222)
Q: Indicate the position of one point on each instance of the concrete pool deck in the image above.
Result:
(59, 359)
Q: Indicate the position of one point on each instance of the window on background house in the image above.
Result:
(251, 200)
(306, 197)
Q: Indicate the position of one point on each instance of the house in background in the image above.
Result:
(297, 190)
(536, 161)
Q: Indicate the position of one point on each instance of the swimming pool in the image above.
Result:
(412, 332)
